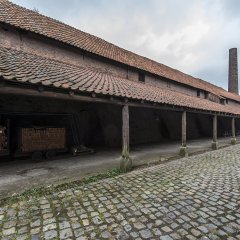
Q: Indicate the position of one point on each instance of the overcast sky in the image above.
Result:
(192, 36)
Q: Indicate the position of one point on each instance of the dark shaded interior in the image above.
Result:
(199, 126)
(152, 126)
(92, 125)
(224, 127)
(97, 126)
(237, 124)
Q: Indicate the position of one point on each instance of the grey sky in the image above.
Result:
(192, 36)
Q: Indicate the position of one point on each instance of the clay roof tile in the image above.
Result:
(32, 21)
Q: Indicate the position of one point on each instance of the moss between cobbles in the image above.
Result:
(41, 191)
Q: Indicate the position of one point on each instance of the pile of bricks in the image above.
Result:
(3, 138)
(42, 139)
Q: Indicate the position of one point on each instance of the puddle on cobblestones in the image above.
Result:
(34, 172)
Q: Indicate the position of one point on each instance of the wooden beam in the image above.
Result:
(126, 161)
(233, 140)
(184, 129)
(214, 143)
(175, 108)
(30, 92)
(11, 89)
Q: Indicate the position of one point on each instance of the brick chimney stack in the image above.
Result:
(233, 71)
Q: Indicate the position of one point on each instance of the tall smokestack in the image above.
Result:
(233, 71)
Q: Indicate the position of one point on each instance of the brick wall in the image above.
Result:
(164, 83)
(233, 103)
(39, 139)
(31, 43)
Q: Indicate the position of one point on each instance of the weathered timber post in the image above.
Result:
(125, 162)
(183, 148)
(233, 139)
(214, 143)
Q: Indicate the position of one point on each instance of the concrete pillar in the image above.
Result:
(233, 140)
(125, 162)
(183, 148)
(214, 143)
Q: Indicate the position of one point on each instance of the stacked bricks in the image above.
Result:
(233, 71)
(42, 139)
(3, 139)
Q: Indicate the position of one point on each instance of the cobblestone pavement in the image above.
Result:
(191, 198)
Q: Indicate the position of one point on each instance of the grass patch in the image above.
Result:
(43, 190)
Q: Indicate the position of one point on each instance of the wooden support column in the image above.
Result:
(233, 140)
(184, 129)
(214, 143)
(125, 131)
(183, 148)
(126, 162)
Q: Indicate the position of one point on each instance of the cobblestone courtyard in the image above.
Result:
(191, 198)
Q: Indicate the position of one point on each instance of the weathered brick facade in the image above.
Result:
(44, 47)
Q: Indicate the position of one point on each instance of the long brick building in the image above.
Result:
(53, 76)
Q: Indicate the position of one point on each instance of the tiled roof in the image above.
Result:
(22, 67)
(37, 23)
